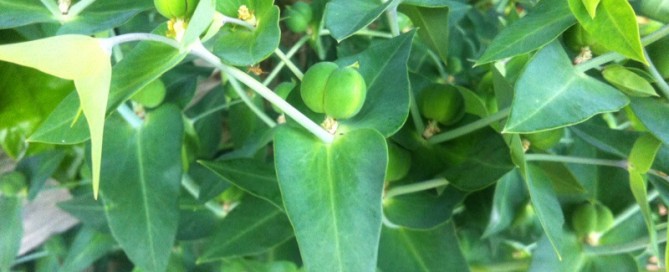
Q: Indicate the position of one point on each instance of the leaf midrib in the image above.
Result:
(144, 191)
(538, 109)
(333, 205)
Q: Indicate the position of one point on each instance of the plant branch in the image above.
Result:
(110, 42)
(661, 84)
(415, 113)
(78, 7)
(289, 55)
(214, 110)
(226, 19)
(391, 15)
(52, 7)
(416, 187)
(469, 128)
(199, 50)
(129, 116)
(194, 190)
(567, 159)
(365, 32)
(613, 56)
(638, 244)
(242, 94)
(632, 209)
(286, 60)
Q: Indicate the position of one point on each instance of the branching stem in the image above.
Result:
(469, 128)
(416, 187)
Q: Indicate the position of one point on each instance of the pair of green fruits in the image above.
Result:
(590, 220)
(176, 8)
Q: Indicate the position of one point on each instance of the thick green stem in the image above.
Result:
(194, 190)
(638, 244)
(78, 7)
(415, 113)
(129, 116)
(286, 60)
(613, 56)
(247, 100)
(469, 128)
(568, 159)
(391, 15)
(52, 7)
(289, 55)
(199, 50)
(214, 110)
(416, 187)
(632, 210)
(659, 80)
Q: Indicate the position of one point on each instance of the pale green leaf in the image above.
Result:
(639, 187)
(551, 93)
(332, 194)
(652, 114)
(628, 81)
(643, 153)
(79, 58)
(548, 209)
(614, 27)
(343, 21)
(591, 6)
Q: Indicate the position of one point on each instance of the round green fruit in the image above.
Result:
(176, 8)
(337, 92)
(399, 162)
(298, 17)
(604, 218)
(442, 103)
(591, 219)
(546, 139)
(151, 95)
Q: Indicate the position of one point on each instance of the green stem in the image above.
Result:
(391, 15)
(285, 59)
(52, 7)
(632, 210)
(214, 110)
(659, 80)
(365, 32)
(110, 42)
(129, 116)
(613, 56)
(289, 55)
(194, 190)
(469, 128)
(31, 257)
(79, 7)
(242, 94)
(416, 187)
(415, 113)
(199, 50)
(501, 267)
(226, 19)
(638, 244)
(438, 63)
(568, 159)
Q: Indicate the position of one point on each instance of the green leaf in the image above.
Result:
(453, 4)
(253, 227)
(544, 258)
(479, 160)
(252, 176)
(474, 104)
(19, 13)
(414, 250)
(144, 64)
(614, 27)
(509, 199)
(599, 135)
(88, 210)
(39, 168)
(416, 210)
(432, 24)
(547, 208)
(11, 229)
(200, 21)
(343, 21)
(605, 263)
(651, 111)
(564, 181)
(655, 9)
(142, 173)
(79, 58)
(88, 246)
(551, 93)
(591, 7)
(640, 192)
(28, 96)
(643, 153)
(332, 194)
(384, 68)
(541, 26)
(101, 16)
(627, 81)
(242, 47)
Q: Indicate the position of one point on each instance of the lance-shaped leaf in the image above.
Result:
(551, 93)
(545, 203)
(614, 27)
(652, 113)
(332, 194)
(590, 6)
(628, 81)
(432, 24)
(343, 21)
(82, 59)
(542, 25)
(142, 173)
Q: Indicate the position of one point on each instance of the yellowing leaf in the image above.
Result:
(82, 59)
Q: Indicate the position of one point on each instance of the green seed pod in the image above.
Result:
(345, 93)
(399, 162)
(604, 218)
(337, 92)
(298, 17)
(151, 95)
(176, 8)
(442, 103)
(546, 139)
(584, 219)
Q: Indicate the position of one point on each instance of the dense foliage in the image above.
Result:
(427, 135)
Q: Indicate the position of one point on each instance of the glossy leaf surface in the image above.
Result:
(335, 205)
(342, 21)
(551, 93)
(650, 112)
(142, 173)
